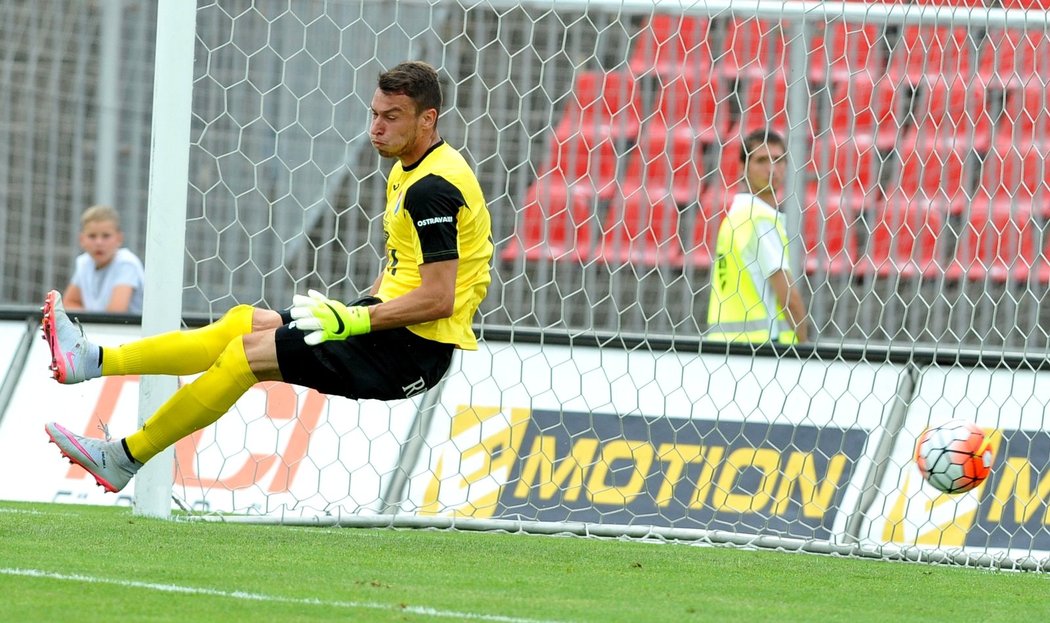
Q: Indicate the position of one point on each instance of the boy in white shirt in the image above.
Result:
(107, 277)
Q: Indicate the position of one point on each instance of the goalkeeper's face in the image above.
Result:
(398, 130)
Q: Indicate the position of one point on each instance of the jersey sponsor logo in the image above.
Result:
(434, 220)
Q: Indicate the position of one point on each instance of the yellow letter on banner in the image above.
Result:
(498, 451)
(816, 493)
(767, 460)
(677, 456)
(639, 453)
(1015, 485)
(568, 478)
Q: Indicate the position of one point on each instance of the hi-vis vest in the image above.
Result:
(743, 306)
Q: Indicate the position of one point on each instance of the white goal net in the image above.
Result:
(607, 140)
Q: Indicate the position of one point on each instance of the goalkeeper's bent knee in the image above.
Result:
(196, 405)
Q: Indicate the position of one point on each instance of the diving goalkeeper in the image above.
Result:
(393, 344)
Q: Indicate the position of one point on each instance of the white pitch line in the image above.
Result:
(210, 592)
(26, 511)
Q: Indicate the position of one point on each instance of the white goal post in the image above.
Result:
(606, 137)
(166, 230)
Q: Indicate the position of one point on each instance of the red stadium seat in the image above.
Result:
(842, 52)
(959, 3)
(865, 109)
(940, 52)
(600, 119)
(700, 248)
(601, 106)
(690, 104)
(830, 247)
(670, 151)
(902, 239)
(667, 158)
(716, 202)
(730, 170)
(1014, 57)
(1026, 4)
(950, 111)
(1025, 117)
(848, 166)
(997, 242)
(950, 3)
(642, 228)
(672, 45)
(581, 163)
(936, 171)
(752, 48)
(763, 103)
(1019, 172)
(556, 223)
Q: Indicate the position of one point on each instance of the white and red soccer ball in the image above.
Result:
(954, 457)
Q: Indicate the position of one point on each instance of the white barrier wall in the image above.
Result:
(281, 449)
(748, 445)
(24, 449)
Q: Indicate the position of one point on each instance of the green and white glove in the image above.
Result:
(324, 319)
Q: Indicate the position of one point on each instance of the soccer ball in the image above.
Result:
(954, 457)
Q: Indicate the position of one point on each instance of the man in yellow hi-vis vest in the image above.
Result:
(753, 296)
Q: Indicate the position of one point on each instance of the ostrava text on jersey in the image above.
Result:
(435, 211)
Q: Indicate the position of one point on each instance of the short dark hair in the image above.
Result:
(756, 138)
(415, 79)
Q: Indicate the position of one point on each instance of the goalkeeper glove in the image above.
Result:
(324, 319)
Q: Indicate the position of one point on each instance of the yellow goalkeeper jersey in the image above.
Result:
(435, 211)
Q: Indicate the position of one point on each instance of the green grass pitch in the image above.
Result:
(64, 563)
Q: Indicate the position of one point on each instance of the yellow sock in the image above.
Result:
(195, 405)
(178, 352)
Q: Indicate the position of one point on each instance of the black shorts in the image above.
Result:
(382, 365)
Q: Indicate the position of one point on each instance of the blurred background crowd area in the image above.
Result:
(607, 144)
